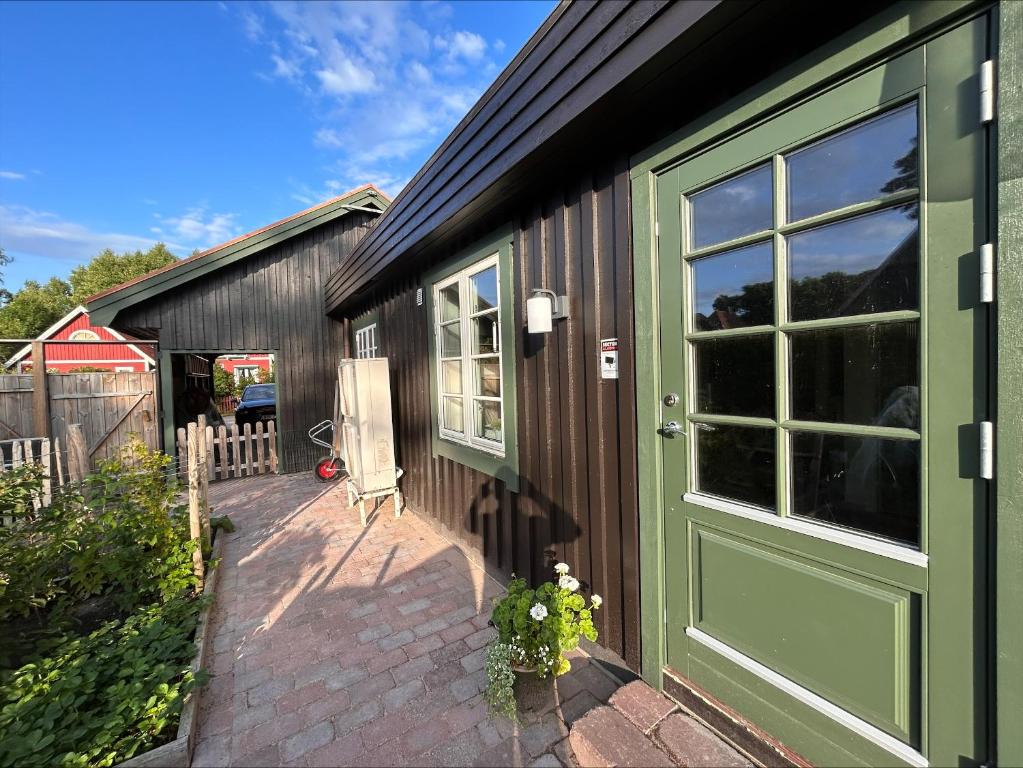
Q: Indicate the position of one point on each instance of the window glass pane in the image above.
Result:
(869, 484)
(451, 373)
(862, 163)
(736, 376)
(448, 302)
(739, 206)
(453, 418)
(484, 289)
(451, 340)
(863, 265)
(861, 375)
(734, 289)
(736, 463)
(488, 420)
(488, 378)
(484, 334)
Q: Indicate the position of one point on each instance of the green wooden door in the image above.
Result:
(820, 326)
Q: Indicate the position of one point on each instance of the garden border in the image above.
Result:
(178, 753)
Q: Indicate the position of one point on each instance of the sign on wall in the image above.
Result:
(609, 358)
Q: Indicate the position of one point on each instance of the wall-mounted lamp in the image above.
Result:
(542, 307)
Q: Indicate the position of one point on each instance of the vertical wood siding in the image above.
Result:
(577, 500)
(271, 301)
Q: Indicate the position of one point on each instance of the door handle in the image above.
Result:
(672, 429)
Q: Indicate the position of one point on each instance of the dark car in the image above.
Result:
(258, 403)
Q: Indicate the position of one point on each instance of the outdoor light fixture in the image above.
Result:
(542, 307)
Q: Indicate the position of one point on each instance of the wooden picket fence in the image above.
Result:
(60, 466)
(231, 452)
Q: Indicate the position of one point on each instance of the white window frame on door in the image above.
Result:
(468, 359)
(241, 370)
(366, 342)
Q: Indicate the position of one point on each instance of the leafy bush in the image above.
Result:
(536, 628)
(119, 534)
(100, 699)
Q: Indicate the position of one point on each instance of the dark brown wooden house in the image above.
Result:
(787, 514)
(261, 292)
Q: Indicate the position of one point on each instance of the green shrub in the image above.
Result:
(100, 699)
(119, 534)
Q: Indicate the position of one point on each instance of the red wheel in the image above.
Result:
(328, 470)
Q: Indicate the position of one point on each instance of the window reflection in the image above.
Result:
(740, 206)
(862, 265)
(860, 375)
(862, 163)
(484, 289)
(868, 484)
(736, 463)
(734, 289)
(736, 376)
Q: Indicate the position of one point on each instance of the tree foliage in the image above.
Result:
(109, 269)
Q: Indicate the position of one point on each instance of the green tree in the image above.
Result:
(32, 310)
(268, 377)
(109, 269)
(223, 382)
(243, 381)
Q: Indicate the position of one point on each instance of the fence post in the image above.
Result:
(195, 502)
(204, 481)
(77, 453)
(40, 395)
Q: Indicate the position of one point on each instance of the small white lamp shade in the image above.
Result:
(539, 311)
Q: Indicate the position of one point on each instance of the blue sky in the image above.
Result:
(122, 124)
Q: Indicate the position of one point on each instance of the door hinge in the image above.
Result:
(987, 273)
(987, 91)
(987, 450)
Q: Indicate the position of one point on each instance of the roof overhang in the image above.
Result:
(104, 307)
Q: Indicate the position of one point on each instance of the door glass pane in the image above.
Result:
(860, 375)
(488, 420)
(484, 334)
(734, 289)
(736, 376)
(448, 300)
(451, 340)
(736, 463)
(488, 378)
(453, 418)
(451, 371)
(740, 206)
(863, 265)
(863, 163)
(868, 484)
(483, 286)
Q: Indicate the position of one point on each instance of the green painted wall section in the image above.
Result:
(1009, 385)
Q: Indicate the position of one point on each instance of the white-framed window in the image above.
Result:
(467, 326)
(252, 371)
(84, 335)
(366, 341)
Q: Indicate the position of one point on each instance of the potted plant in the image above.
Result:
(535, 629)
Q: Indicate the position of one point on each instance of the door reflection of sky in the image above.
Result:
(727, 273)
(740, 206)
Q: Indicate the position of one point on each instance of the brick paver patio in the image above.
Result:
(338, 645)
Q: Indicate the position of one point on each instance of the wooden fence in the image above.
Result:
(232, 452)
(60, 465)
(108, 406)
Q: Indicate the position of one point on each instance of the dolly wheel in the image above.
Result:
(328, 470)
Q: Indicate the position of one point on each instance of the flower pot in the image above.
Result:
(534, 695)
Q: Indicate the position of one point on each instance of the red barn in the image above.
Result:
(120, 355)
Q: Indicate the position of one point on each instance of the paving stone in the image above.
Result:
(397, 698)
(457, 632)
(449, 652)
(475, 660)
(252, 679)
(563, 750)
(412, 670)
(292, 700)
(423, 646)
(692, 744)
(416, 605)
(346, 678)
(374, 633)
(249, 717)
(508, 753)
(397, 640)
(576, 707)
(307, 740)
(480, 637)
(542, 735)
(424, 736)
(376, 732)
(366, 609)
(488, 733)
(386, 661)
(464, 688)
(466, 715)
(642, 705)
(460, 750)
(604, 737)
(328, 707)
(269, 691)
(212, 753)
(343, 751)
(440, 677)
(430, 627)
(371, 688)
(546, 761)
(348, 721)
(318, 671)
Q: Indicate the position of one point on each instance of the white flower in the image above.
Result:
(538, 612)
(568, 582)
(561, 569)
(596, 600)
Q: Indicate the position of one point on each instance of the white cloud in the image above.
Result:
(13, 175)
(200, 228)
(386, 81)
(24, 230)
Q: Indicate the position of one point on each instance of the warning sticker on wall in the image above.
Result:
(609, 358)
